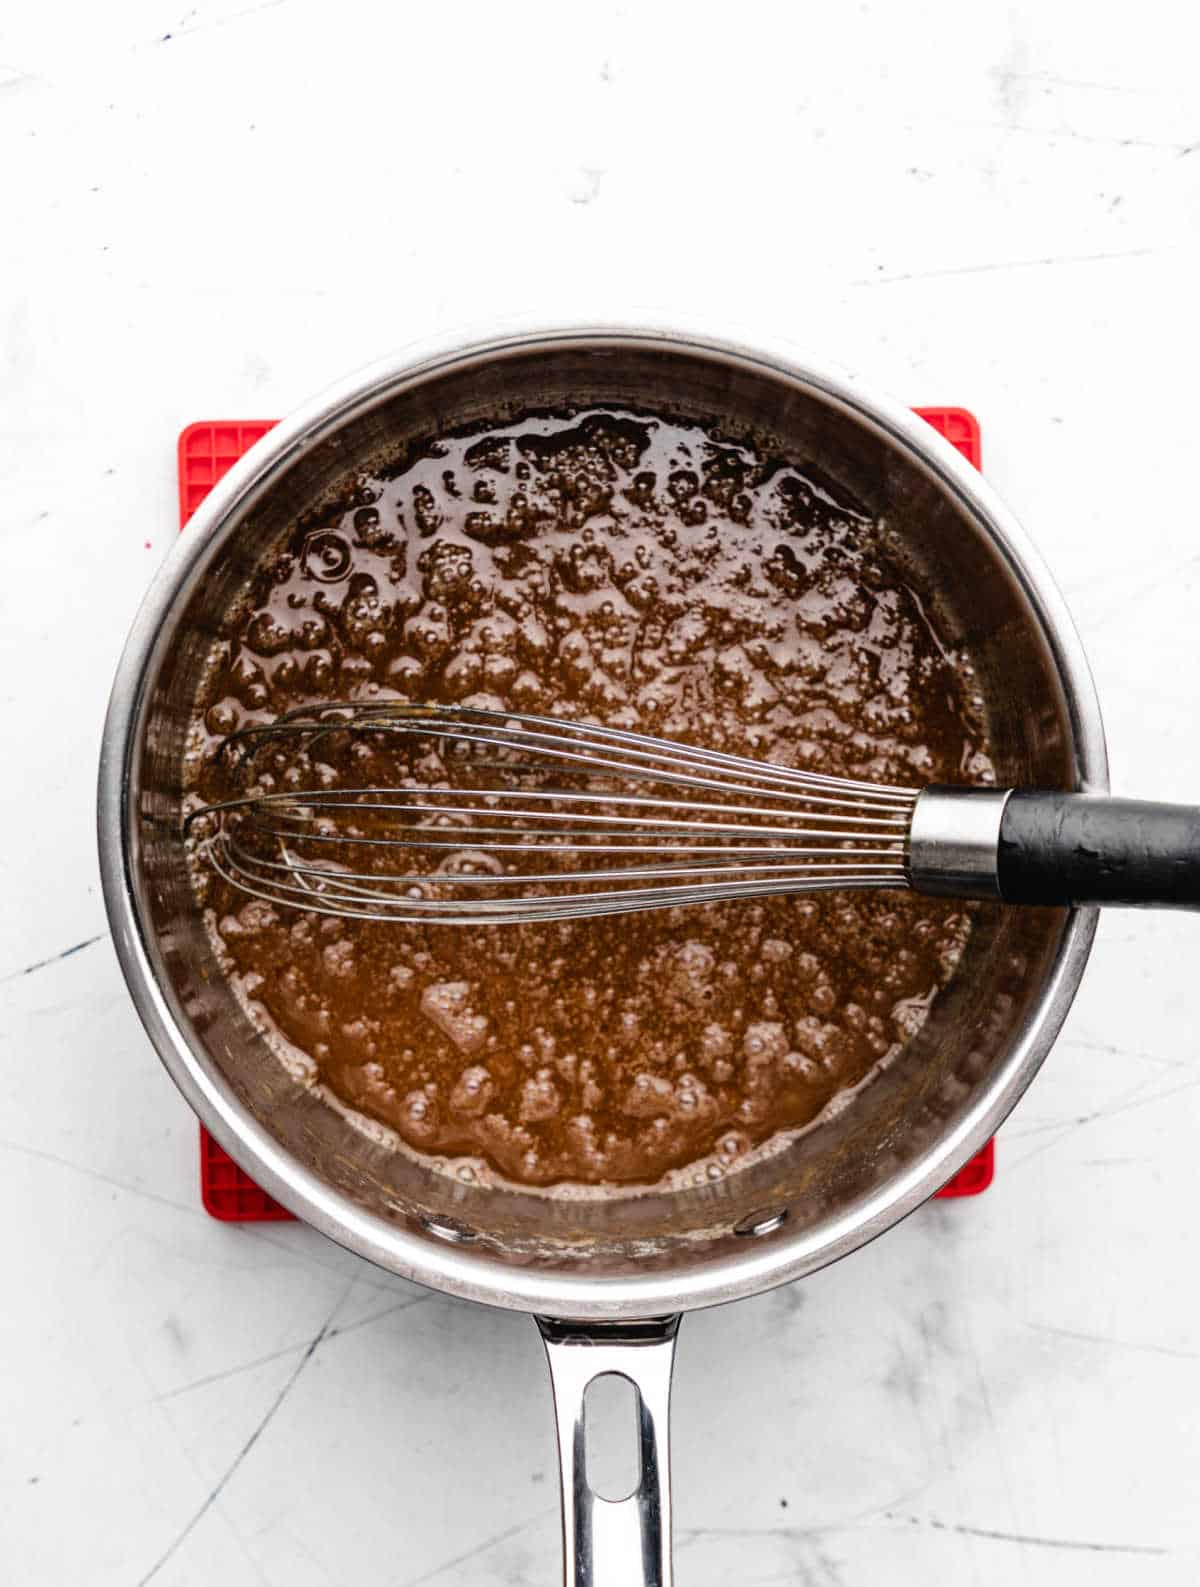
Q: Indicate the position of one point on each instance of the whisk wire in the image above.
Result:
(508, 852)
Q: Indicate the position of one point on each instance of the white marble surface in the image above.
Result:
(215, 209)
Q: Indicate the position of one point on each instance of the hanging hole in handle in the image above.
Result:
(613, 1458)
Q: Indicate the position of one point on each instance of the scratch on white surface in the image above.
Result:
(1052, 79)
(64, 953)
(309, 1253)
(809, 1559)
(10, 76)
(487, 1544)
(1006, 264)
(1119, 1050)
(290, 1350)
(1071, 135)
(1111, 1342)
(1063, 1125)
(1070, 1126)
(995, 1431)
(389, 1311)
(271, 1412)
(19, 1149)
(229, 1372)
(1028, 1540)
(886, 1509)
(302, 1546)
(806, 1557)
(206, 25)
(685, 1536)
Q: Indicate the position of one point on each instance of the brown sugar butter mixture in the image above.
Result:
(631, 570)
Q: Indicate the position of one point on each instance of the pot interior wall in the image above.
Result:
(974, 1023)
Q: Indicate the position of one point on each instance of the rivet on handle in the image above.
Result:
(449, 1229)
(765, 1221)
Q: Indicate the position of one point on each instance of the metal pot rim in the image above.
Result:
(457, 1268)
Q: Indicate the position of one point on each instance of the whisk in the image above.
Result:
(487, 817)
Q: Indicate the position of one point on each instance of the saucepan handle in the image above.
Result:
(623, 1543)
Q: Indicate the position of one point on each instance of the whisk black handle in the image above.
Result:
(1065, 848)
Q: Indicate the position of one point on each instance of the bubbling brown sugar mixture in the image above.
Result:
(643, 573)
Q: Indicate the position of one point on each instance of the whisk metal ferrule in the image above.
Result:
(954, 841)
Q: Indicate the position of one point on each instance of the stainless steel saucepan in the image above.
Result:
(607, 1280)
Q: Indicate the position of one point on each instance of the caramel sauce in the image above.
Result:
(634, 571)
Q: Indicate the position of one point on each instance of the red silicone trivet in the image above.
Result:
(207, 451)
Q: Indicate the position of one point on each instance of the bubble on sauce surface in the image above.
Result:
(447, 1004)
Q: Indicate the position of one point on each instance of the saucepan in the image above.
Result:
(607, 1280)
